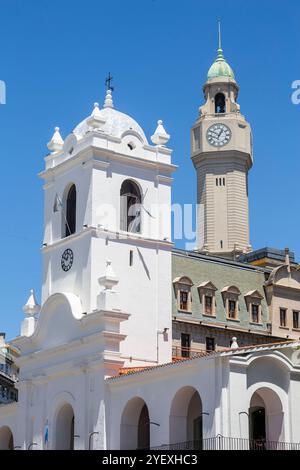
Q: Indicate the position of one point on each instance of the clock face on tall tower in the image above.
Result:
(67, 259)
(218, 135)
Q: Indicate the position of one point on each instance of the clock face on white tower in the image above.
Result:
(218, 135)
(67, 259)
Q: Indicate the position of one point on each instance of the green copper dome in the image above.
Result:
(220, 68)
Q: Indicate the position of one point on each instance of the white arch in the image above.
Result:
(276, 355)
(276, 406)
(186, 407)
(64, 427)
(6, 438)
(131, 132)
(58, 401)
(126, 210)
(129, 426)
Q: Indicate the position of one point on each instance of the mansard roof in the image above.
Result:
(202, 269)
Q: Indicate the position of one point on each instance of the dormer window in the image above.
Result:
(183, 300)
(253, 302)
(232, 309)
(220, 107)
(207, 297)
(230, 296)
(182, 288)
(208, 305)
(255, 313)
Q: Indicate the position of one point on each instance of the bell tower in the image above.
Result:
(221, 144)
(108, 202)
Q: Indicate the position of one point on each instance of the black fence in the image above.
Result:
(229, 443)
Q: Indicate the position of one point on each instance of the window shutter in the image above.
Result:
(123, 213)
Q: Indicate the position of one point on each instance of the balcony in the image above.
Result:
(179, 353)
(8, 395)
(8, 372)
(229, 443)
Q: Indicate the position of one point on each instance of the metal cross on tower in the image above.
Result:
(108, 81)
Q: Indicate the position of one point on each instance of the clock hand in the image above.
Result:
(214, 134)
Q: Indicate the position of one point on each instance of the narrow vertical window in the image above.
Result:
(296, 320)
(130, 207)
(231, 308)
(184, 297)
(185, 345)
(130, 258)
(210, 344)
(208, 305)
(70, 212)
(255, 313)
(282, 314)
(216, 181)
(223, 181)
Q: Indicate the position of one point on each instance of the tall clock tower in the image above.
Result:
(221, 144)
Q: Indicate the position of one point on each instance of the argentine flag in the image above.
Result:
(46, 434)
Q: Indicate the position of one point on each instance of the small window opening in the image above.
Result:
(216, 181)
(184, 297)
(208, 305)
(220, 181)
(130, 258)
(231, 309)
(223, 181)
(70, 215)
(221, 243)
(220, 103)
(131, 145)
(296, 320)
(130, 207)
(283, 317)
(185, 344)
(255, 313)
(210, 344)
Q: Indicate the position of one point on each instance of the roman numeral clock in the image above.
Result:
(218, 135)
(67, 259)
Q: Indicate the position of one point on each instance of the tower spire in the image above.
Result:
(220, 68)
(219, 31)
(220, 50)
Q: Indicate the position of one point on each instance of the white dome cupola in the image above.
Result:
(117, 124)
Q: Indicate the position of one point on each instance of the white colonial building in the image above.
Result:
(96, 368)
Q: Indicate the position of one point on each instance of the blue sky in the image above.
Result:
(54, 56)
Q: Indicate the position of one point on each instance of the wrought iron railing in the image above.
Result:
(179, 352)
(229, 443)
(8, 395)
(7, 371)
